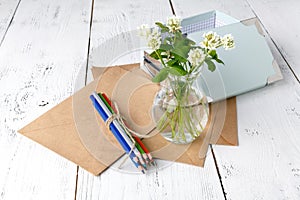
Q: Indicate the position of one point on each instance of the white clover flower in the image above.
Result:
(154, 39)
(154, 43)
(173, 23)
(211, 40)
(144, 30)
(196, 56)
(155, 32)
(228, 42)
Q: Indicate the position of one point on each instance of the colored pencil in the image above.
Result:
(128, 141)
(146, 151)
(142, 148)
(115, 132)
(108, 104)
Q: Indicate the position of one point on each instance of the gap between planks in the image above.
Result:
(218, 171)
(11, 20)
(212, 151)
(86, 72)
(76, 182)
(172, 7)
(89, 43)
(85, 80)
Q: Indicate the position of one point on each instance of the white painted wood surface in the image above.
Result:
(7, 11)
(40, 57)
(43, 59)
(266, 164)
(268, 155)
(283, 27)
(238, 9)
(175, 182)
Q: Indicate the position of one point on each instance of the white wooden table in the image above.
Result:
(44, 54)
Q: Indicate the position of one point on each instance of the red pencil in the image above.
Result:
(148, 155)
(138, 140)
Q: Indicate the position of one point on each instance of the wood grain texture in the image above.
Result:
(40, 59)
(266, 164)
(239, 9)
(114, 25)
(178, 181)
(283, 27)
(7, 11)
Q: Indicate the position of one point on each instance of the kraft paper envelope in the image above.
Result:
(192, 154)
(74, 130)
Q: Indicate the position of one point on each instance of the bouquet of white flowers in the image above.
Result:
(180, 110)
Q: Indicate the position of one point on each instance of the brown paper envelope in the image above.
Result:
(222, 129)
(67, 132)
(58, 130)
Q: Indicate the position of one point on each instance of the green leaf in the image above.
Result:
(163, 27)
(210, 64)
(182, 47)
(165, 47)
(219, 61)
(177, 71)
(154, 55)
(171, 62)
(160, 25)
(179, 55)
(162, 75)
(189, 41)
(158, 51)
(213, 54)
(178, 66)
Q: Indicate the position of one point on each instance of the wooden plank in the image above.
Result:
(236, 8)
(40, 59)
(113, 20)
(266, 164)
(176, 181)
(7, 11)
(281, 20)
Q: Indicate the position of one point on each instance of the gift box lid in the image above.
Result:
(250, 65)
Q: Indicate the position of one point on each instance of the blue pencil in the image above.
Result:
(115, 132)
(121, 131)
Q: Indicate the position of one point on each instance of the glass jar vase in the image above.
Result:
(180, 109)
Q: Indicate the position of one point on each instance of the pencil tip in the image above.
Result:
(149, 155)
(141, 169)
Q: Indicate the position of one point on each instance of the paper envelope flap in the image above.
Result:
(49, 119)
(247, 67)
(229, 132)
(98, 70)
(56, 130)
